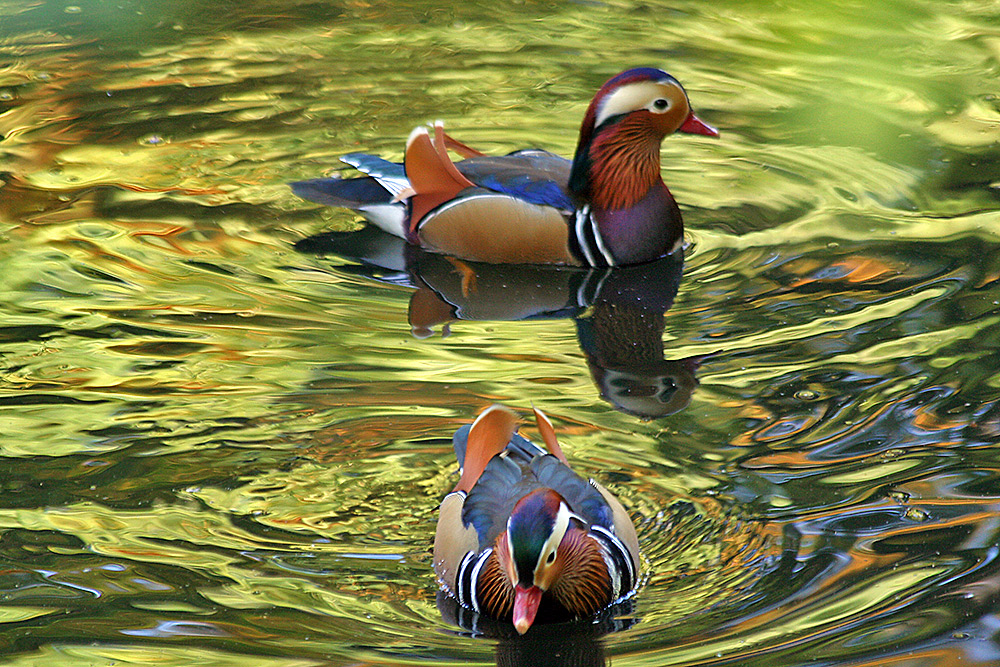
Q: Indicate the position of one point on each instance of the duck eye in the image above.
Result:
(661, 104)
(551, 559)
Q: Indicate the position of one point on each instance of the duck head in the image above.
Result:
(548, 551)
(617, 158)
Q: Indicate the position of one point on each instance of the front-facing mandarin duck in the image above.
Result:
(522, 537)
(608, 206)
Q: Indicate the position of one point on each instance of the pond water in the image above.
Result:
(225, 439)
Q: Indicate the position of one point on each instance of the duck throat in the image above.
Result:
(622, 164)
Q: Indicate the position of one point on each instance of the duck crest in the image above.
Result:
(532, 522)
(590, 123)
(617, 159)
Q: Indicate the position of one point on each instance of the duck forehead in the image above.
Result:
(525, 544)
(534, 515)
(637, 95)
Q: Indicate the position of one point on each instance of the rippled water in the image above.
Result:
(225, 436)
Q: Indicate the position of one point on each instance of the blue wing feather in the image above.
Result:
(523, 467)
(535, 176)
(531, 190)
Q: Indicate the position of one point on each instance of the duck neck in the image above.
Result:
(617, 166)
(494, 590)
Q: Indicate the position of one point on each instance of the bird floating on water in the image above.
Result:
(608, 206)
(524, 538)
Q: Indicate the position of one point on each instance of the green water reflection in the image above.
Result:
(216, 446)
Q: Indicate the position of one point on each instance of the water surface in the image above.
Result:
(218, 443)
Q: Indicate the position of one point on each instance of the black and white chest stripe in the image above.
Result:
(468, 576)
(615, 554)
(587, 239)
(619, 562)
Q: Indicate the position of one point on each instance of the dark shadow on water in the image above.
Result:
(574, 644)
(619, 312)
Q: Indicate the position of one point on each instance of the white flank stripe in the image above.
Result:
(581, 218)
(460, 588)
(600, 243)
(615, 543)
(475, 577)
(616, 579)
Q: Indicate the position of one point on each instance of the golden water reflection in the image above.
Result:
(216, 446)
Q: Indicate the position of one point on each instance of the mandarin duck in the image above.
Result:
(608, 206)
(523, 537)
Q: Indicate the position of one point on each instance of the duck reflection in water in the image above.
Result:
(619, 312)
(570, 644)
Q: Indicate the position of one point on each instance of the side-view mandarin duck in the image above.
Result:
(608, 206)
(523, 537)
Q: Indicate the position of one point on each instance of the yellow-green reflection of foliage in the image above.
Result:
(218, 450)
(11, 614)
(792, 625)
(87, 656)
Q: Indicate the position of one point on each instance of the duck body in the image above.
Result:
(524, 538)
(607, 206)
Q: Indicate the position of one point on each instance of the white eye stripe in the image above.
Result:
(548, 553)
(635, 96)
